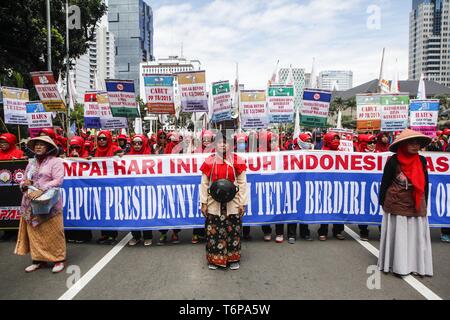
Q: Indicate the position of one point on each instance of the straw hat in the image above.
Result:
(409, 134)
(45, 139)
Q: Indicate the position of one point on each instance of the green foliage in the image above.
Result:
(23, 37)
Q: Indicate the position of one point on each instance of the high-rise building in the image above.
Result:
(299, 83)
(131, 22)
(429, 41)
(97, 64)
(336, 80)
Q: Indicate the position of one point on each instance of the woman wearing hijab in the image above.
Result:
(105, 149)
(405, 245)
(268, 142)
(140, 146)
(207, 146)
(77, 150)
(303, 142)
(382, 144)
(9, 151)
(123, 143)
(367, 143)
(161, 143)
(223, 213)
(41, 229)
(331, 142)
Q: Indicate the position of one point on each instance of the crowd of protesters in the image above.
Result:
(50, 145)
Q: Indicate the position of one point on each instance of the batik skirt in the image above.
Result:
(223, 239)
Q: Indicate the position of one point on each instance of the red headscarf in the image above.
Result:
(110, 149)
(329, 143)
(217, 169)
(412, 168)
(381, 147)
(78, 142)
(364, 140)
(49, 132)
(145, 146)
(12, 152)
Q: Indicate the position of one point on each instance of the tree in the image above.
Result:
(23, 36)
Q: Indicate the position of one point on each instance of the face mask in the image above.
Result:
(241, 147)
(335, 144)
(305, 145)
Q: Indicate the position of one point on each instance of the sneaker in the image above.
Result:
(81, 241)
(110, 241)
(291, 240)
(133, 242)
(267, 237)
(212, 267)
(308, 238)
(71, 241)
(58, 267)
(195, 239)
(33, 267)
(279, 239)
(102, 240)
(148, 242)
(339, 236)
(234, 266)
(323, 238)
(162, 240)
(175, 239)
(445, 238)
(364, 237)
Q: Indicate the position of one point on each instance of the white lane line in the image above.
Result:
(80, 284)
(413, 282)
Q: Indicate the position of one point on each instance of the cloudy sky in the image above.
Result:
(340, 34)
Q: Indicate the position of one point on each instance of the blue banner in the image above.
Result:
(152, 193)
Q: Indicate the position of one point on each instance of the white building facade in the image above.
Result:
(98, 64)
(336, 80)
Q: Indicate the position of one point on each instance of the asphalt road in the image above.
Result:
(269, 271)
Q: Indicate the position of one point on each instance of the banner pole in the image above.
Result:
(18, 133)
(4, 125)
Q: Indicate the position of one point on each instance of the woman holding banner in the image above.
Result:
(223, 196)
(140, 146)
(331, 142)
(106, 149)
(303, 142)
(405, 245)
(9, 151)
(367, 143)
(269, 142)
(77, 150)
(41, 229)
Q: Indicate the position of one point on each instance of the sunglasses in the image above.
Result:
(75, 147)
(371, 142)
(102, 139)
(138, 143)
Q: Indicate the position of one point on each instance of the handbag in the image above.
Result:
(44, 204)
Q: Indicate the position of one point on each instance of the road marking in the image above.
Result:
(413, 282)
(80, 284)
